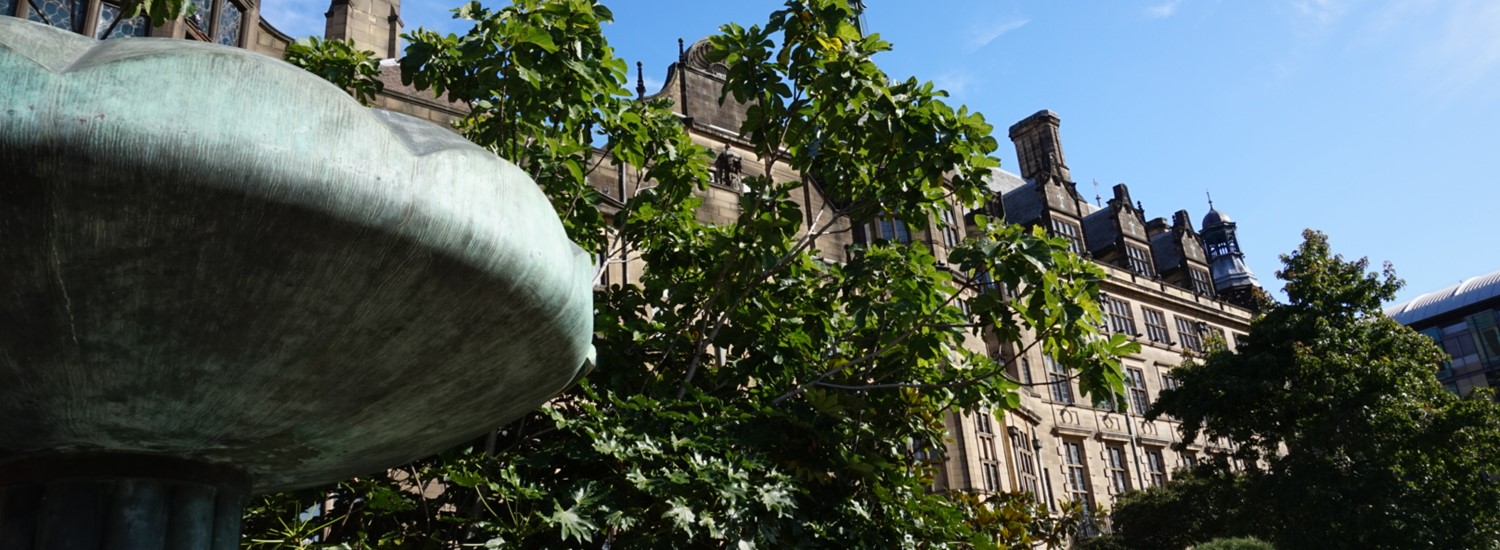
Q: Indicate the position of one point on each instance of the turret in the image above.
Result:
(1232, 278)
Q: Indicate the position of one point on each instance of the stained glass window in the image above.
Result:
(7, 7)
(58, 13)
(135, 26)
(203, 12)
(227, 32)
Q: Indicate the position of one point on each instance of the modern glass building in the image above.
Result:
(1465, 320)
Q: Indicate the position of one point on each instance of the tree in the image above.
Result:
(748, 393)
(1351, 439)
(340, 62)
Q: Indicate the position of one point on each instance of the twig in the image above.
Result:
(38, 11)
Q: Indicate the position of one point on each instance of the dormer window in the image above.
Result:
(1064, 228)
(1201, 284)
(1139, 260)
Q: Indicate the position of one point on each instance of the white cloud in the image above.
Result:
(1468, 49)
(1321, 12)
(1163, 10)
(980, 37)
(955, 83)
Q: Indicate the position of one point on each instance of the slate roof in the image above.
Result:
(1165, 252)
(1002, 182)
(1023, 204)
(1099, 231)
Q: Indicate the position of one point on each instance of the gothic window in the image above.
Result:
(63, 14)
(135, 26)
(892, 230)
(1139, 260)
(989, 461)
(1057, 377)
(1119, 469)
(1064, 228)
(1156, 325)
(1135, 379)
(1201, 283)
(1077, 472)
(73, 15)
(1025, 367)
(217, 21)
(1188, 333)
(1025, 463)
(1120, 319)
(1156, 467)
(950, 228)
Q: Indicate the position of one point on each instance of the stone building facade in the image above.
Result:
(1175, 290)
(373, 25)
(1170, 287)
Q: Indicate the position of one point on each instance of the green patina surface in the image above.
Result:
(210, 254)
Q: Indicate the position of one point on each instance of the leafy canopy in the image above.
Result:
(753, 390)
(338, 61)
(1339, 409)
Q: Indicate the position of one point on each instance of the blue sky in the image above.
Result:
(1374, 121)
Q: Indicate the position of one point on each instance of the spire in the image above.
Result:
(682, 97)
(640, 81)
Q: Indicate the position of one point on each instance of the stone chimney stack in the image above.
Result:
(373, 25)
(1156, 227)
(1181, 221)
(1039, 147)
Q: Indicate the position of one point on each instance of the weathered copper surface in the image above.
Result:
(210, 255)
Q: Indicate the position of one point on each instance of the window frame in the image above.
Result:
(891, 230)
(1026, 473)
(1202, 284)
(1061, 381)
(1138, 259)
(1156, 467)
(1188, 334)
(1118, 466)
(1069, 230)
(1135, 382)
(989, 455)
(1121, 318)
(949, 227)
(1156, 332)
(1076, 481)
